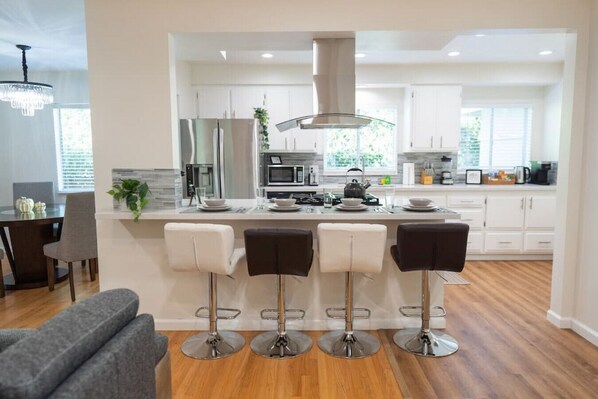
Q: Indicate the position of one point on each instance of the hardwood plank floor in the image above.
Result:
(508, 349)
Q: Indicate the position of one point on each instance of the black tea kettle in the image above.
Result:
(354, 189)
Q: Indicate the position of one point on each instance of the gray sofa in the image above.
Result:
(98, 348)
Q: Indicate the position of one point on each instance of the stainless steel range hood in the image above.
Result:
(334, 88)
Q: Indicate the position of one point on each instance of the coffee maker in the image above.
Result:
(540, 172)
(313, 177)
(446, 176)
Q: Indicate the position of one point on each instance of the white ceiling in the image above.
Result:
(56, 32)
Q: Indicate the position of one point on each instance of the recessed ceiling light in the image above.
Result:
(223, 54)
(480, 35)
(267, 55)
(545, 52)
(453, 53)
(359, 55)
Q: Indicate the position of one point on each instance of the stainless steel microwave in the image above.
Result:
(285, 175)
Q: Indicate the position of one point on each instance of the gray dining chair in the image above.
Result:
(1, 274)
(78, 240)
(38, 191)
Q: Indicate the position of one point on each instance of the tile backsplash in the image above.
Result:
(165, 185)
(417, 158)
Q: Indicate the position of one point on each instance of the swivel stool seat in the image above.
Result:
(349, 248)
(206, 248)
(428, 247)
(280, 251)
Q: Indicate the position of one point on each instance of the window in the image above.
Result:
(495, 137)
(72, 128)
(376, 143)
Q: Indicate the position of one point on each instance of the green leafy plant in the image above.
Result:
(261, 114)
(134, 193)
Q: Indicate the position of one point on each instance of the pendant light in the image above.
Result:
(28, 96)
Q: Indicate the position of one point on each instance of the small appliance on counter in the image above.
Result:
(446, 176)
(408, 174)
(522, 174)
(540, 171)
(313, 178)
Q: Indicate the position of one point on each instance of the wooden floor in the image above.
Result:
(507, 348)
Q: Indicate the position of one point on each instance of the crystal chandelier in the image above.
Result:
(28, 96)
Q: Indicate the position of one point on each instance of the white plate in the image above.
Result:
(284, 208)
(342, 207)
(214, 208)
(419, 208)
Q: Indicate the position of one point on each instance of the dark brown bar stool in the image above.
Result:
(428, 247)
(282, 252)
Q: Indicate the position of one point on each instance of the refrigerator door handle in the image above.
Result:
(217, 179)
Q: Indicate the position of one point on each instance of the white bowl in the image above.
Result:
(285, 201)
(351, 201)
(214, 201)
(420, 201)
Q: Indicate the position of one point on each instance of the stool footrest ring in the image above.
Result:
(264, 314)
(235, 313)
(330, 312)
(409, 311)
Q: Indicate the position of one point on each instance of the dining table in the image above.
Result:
(24, 235)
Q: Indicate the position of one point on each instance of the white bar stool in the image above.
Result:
(349, 248)
(206, 248)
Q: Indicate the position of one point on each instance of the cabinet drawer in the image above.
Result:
(475, 242)
(473, 217)
(470, 201)
(539, 242)
(503, 242)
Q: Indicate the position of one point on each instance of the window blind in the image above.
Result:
(74, 155)
(495, 137)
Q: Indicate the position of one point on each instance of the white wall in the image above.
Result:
(133, 96)
(27, 145)
(553, 101)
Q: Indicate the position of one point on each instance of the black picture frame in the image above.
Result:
(275, 160)
(473, 176)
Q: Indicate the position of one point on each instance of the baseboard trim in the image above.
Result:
(569, 323)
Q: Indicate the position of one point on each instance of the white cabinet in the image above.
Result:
(505, 242)
(475, 242)
(505, 212)
(244, 99)
(433, 119)
(213, 102)
(539, 242)
(473, 217)
(301, 100)
(466, 201)
(278, 106)
(540, 211)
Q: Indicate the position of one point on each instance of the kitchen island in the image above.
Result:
(133, 255)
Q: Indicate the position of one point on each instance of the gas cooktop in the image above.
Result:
(318, 199)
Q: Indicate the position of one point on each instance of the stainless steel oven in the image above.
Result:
(285, 175)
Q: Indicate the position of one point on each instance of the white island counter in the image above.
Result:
(133, 255)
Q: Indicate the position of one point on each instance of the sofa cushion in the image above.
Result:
(161, 346)
(33, 366)
(9, 337)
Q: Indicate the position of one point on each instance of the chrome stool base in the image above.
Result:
(271, 344)
(431, 343)
(353, 345)
(213, 346)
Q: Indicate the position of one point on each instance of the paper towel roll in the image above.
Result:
(408, 174)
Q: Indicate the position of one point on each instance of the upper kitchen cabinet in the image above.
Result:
(244, 99)
(432, 118)
(301, 100)
(213, 102)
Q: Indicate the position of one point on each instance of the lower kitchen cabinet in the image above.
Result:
(475, 242)
(473, 217)
(505, 211)
(503, 242)
(539, 242)
(540, 211)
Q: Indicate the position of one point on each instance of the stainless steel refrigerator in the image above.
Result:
(220, 155)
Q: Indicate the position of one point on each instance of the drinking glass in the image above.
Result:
(327, 199)
(200, 192)
(260, 195)
(389, 197)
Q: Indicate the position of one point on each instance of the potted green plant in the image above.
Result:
(134, 193)
(261, 114)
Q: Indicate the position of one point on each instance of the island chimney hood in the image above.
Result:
(334, 88)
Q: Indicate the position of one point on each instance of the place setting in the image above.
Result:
(284, 205)
(351, 205)
(420, 205)
(213, 205)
